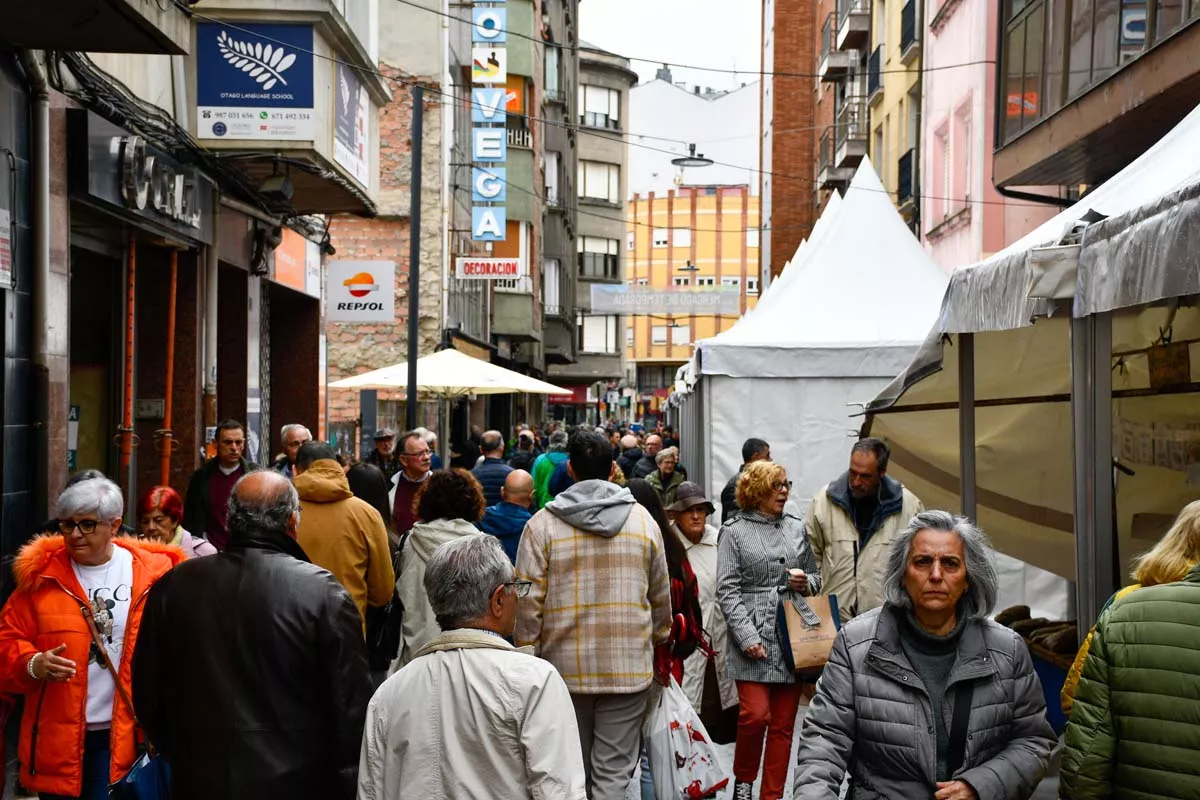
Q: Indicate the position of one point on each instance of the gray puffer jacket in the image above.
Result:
(872, 717)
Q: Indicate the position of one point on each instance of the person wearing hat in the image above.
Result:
(384, 455)
(711, 692)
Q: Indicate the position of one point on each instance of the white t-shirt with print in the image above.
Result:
(109, 588)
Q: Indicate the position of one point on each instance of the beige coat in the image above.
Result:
(420, 627)
(835, 540)
(703, 559)
(471, 717)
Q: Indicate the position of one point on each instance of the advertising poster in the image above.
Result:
(360, 291)
(350, 125)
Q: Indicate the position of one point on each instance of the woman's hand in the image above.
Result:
(757, 652)
(797, 580)
(955, 790)
(50, 666)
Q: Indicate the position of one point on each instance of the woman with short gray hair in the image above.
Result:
(926, 696)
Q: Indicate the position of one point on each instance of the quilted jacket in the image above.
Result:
(1134, 730)
(871, 717)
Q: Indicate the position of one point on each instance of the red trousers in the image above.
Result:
(765, 709)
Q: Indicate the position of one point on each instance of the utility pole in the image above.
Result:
(414, 253)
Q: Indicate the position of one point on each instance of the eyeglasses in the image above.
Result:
(420, 455)
(779, 486)
(86, 526)
(520, 588)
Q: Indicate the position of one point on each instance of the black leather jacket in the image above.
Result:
(250, 675)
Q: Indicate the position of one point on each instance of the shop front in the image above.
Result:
(580, 407)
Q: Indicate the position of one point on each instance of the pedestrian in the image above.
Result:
(340, 532)
(647, 464)
(543, 467)
(385, 455)
(1133, 729)
(78, 730)
(666, 478)
(763, 557)
(368, 483)
(263, 695)
(926, 696)
(1167, 562)
(292, 436)
(415, 458)
(448, 506)
(753, 449)
(492, 471)
(851, 523)
(506, 520)
(668, 437)
(207, 499)
(526, 453)
(711, 691)
(631, 454)
(600, 602)
(159, 514)
(470, 716)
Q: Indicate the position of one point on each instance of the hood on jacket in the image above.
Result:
(33, 558)
(891, 497)
(323, 482)
(425, 537)
(594, 506)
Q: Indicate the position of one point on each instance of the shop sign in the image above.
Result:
(488, 268)
(5, 249)
(489, 137)
(255, 81)
(578, 396)
(350, 125)
(148, 184)
(73, 414)
(360, 291)
(290, 261)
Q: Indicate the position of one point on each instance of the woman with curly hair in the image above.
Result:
(448, 505)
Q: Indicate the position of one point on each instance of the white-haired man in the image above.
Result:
(472, 716)
(293, 436)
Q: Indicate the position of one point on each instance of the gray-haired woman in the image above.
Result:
(926, 697)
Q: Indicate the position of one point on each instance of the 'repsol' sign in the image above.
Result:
(488, 269)
(360, 291)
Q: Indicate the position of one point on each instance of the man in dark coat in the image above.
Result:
(208, 491)
(492, 471)
(752, 450)
(630, 455)
(646, 464)
(274, 697)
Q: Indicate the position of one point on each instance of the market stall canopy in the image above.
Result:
(863, 297)
(450, 373)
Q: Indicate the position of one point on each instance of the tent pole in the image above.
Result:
(966, 424)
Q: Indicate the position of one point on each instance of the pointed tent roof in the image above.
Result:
(863, 297)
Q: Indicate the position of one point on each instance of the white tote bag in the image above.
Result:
(683, 761)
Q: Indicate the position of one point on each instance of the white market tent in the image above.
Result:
(1059, 338)
(449, 374)
(846, 315)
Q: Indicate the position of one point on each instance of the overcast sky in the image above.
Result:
(707, 33)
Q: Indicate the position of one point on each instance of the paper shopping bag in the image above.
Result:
(806, 627)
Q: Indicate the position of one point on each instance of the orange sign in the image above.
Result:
(289, 261)
(514, 89)
(1027, 102)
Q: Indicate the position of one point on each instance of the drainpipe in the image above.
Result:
(211, 270)
(167, 434)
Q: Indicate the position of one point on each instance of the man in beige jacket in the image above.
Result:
(471, 716)
(852, 521)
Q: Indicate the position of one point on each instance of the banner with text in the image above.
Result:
(621, 299)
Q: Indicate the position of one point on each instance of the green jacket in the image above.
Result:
(1133, 730)
(665, 493)
(543, 470)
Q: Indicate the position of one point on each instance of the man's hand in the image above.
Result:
(757, 652)
(50, 666)
(955, 790)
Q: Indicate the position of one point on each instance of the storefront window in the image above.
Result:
(1080, 74)
(1107, 39)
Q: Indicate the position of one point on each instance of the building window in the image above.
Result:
(598, 333)
(661, 237)
(658, 334)
(733, 280)
(629, 335)
(631, 241)
(681, 281)
(599, 258)
(681, 334)
(643, 281)
(751, 285)
(599, 107)
(599, 181)
(551, 287)
(706, 281)
(552, 77)
(681, 237)
(752, 237)
(553, 176)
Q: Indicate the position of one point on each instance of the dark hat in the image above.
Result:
(385, 433)
(689, 495)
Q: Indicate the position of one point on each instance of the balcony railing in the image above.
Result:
(904, 179)
(829, 36)
(874, 84)
(825, 153)
(834, 64)
(853, 24)
(847, 7)
(522, 285)
(851, 124)
(908, 31)
(520, 138)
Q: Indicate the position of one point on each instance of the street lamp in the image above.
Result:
(691, 159)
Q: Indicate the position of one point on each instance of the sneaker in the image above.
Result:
(743, 791)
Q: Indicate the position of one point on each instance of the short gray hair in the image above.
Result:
(270, 514)
(663, 455)
(98, 496)
(286, 429)
(461, 576)
(982, 583)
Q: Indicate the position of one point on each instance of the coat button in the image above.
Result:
(904, 678)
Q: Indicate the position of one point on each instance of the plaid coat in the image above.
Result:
(598, 604)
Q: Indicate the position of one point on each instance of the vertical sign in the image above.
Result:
(6, 265)
(489, 136)
(73, 439)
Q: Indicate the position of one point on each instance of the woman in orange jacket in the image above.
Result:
(77, 731)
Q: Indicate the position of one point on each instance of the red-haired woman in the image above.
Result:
(159, 513)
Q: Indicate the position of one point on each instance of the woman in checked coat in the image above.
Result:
(763, 553)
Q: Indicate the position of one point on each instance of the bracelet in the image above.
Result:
(30, 666)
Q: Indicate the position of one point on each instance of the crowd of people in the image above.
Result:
(501, 628)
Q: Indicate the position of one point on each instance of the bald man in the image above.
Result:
(287, 711)
(631, 453)
(506, 520)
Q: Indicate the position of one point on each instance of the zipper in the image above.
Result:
(37, 717)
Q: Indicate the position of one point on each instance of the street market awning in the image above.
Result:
(450, 373)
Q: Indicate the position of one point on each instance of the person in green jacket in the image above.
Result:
(1133, 731)
(543, 467)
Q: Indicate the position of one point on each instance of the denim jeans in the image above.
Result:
(647, 778)
(96, 757)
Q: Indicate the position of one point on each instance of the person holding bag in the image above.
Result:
(78, 735)
(763, 559)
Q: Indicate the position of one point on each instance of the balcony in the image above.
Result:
(910, 39)
(904, 182)
(874, 84)
(854, 24)
(520, 138)
(513, 311)
(559, 330)
(588, 368)
(834, 64)
(830, 176)
(97, 26)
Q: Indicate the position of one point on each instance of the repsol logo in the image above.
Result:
(359, 306)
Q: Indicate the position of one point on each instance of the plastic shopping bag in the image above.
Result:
(683, 760)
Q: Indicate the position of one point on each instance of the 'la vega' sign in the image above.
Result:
(148, 184)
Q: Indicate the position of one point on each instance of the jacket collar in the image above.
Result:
(465, 639)
(46, 556)
(708, 539)
(213, 464)
(459, 527)
(267, 540)
(886, 654)
(891, 497)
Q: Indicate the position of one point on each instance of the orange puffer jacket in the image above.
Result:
(44, 612)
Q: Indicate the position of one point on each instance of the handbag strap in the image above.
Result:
(957, 746)
(102, 652)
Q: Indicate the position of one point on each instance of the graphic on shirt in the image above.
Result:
(102, 612)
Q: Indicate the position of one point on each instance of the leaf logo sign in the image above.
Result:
(264, 63)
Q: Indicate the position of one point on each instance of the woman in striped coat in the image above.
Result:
(763, 552)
